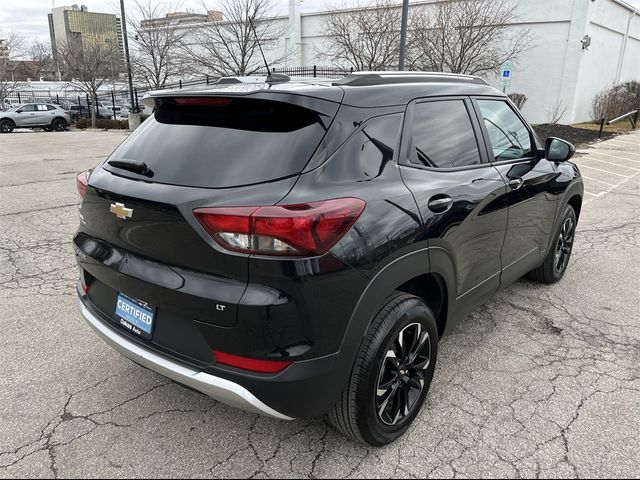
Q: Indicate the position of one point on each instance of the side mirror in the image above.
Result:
(558, 150)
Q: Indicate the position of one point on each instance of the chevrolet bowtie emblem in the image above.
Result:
(121, 211)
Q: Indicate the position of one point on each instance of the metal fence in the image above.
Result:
(314, 71)
(115, 103)
(109, 105)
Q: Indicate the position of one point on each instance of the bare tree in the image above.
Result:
(10, 48)
(156, 55)
(365, 36)
(465, 36)
(90, 64)
(40, 59)
(229, 46)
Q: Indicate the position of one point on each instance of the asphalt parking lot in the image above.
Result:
(540, 381)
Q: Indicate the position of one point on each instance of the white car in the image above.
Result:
(35, 115)
(106, 110)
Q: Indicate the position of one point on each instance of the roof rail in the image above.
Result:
(358, 79)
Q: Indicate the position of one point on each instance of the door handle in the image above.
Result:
(516, 183)
(440, 203)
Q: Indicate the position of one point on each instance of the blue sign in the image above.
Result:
(505, 73)
(134, 315)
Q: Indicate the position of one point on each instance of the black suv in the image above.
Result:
(298, 248)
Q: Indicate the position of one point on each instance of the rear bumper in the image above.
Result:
(217, 388)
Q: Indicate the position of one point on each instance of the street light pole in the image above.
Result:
(126, 53)
(403, 33)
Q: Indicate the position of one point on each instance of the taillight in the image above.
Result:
(82, 182)
(250, 364)
(299, 230)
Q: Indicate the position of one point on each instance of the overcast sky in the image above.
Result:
(30, 16)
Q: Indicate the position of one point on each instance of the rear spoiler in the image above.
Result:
(325, 104)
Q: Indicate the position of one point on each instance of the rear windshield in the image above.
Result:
(219, 142)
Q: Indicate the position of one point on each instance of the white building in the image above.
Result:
(557, 69)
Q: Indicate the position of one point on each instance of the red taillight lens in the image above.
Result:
(298, 230)
(82, 183)
(250, 364)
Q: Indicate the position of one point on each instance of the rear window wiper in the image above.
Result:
(133, 166)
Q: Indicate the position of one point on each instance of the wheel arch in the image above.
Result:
(572, 196)
(432, 289)
(576, 202)
(427, 273)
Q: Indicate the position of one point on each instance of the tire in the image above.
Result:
(7, 126)
(59, 125)
(357, 414)
(554, 266)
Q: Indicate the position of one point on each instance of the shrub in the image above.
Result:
(519, 99)
(616, 101)
(106, 123)
(556, 112)
(103, 123)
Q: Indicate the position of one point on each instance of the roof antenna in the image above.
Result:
(271, 77)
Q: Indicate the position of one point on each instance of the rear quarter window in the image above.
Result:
(370, 150)
(235, 142)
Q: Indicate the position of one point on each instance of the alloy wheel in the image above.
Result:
(564, 245)
(402, 374)
(6, 127)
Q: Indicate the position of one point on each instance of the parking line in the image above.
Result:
(616, 156)
(611, 163)
(593, 194)
(600, 181)
(581, 165)
(626, 142)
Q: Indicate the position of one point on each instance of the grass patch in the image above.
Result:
(622, 126)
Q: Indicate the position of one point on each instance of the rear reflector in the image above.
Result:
(85, 282)
(82, 182)
(306, 229)
(85, 286)
(250, 364)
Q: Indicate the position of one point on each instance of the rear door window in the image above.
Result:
(216, 142)
(443, 136)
